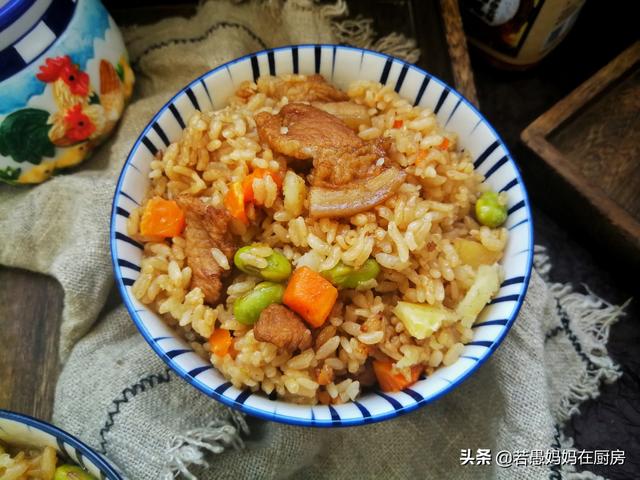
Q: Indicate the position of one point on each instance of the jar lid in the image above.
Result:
(28, 28)
(11, 10)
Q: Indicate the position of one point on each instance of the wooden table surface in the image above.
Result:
(30, 313)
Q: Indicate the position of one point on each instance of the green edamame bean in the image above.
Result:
(338, 275)
(489, 210)
(344, 276)
(71, 472)
(242, 264)
(367, 271)
(247, 309)
(278, 266)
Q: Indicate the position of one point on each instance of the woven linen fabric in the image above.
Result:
(117, 396)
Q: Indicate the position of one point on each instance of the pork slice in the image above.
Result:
(339, 155)
(283, 328)
(336, 167)
(351, 113)
(207, 227)
(302, 131)
(311, 89)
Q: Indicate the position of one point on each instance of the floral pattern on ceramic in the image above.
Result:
(75, 98)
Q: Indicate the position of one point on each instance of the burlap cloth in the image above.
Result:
(116, 395)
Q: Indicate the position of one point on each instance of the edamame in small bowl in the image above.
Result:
(31, 448)
(321, 235)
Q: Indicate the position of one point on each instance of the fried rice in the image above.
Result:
(412, 236)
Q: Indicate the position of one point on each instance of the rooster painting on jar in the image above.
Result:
(66, 88)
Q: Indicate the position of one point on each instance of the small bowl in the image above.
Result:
(339, 65)
(22, 430)
(64, 83)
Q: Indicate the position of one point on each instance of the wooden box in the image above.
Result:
(591, 139)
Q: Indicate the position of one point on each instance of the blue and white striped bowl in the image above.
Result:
(340, 65)
(22, 430)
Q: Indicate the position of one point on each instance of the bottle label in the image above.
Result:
(561, 28)
(532, 31)
(494, 12)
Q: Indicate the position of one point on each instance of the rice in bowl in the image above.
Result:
(30, 463)
(431, 250)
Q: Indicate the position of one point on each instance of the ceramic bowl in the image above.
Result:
(339, 65)
(64, 81)
(22, 430)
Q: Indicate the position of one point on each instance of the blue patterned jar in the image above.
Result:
(65, 79)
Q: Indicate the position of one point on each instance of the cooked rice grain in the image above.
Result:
(410, 235)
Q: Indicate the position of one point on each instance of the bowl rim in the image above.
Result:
(12, 10)
(275, 416)
(60, 434)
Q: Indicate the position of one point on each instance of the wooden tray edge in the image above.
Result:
(534, 137)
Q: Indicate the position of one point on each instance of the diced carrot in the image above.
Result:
(324, 375)
(310, 295)
(220, 342)
(444, 144)
(398, 124)
(422, 154)
(324, 397)
(258, 173)
(234, 201)
(323, 378)
(161, 218)
(393, 382)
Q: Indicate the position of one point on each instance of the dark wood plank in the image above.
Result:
(30, 314)
(602, 141)
(436, 27)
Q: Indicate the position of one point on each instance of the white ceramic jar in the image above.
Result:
(65, 79)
